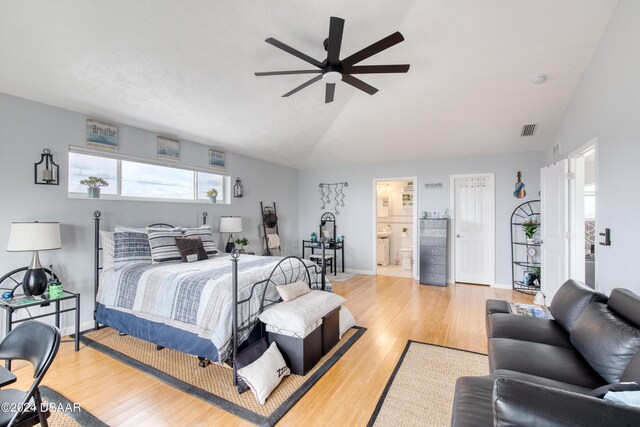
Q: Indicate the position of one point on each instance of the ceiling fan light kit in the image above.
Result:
(332, 70)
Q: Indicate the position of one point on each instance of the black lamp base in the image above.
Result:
(34, 282)
(230, 246)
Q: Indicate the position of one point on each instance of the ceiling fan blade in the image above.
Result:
(335, 40)
(371, 69)
(331, 90)
(303, 85)
(371, 50)
(359, 84)
(294, 52)
(283, 73)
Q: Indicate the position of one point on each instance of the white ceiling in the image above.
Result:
(186, 67)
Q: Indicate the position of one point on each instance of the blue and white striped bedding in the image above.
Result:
(195, 297)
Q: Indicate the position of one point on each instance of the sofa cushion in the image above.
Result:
(606, 340)
(472, 402)
(527, 328)
(570, 300)
(626, 304)
(497, 306)
(504, 373)
(553, 362)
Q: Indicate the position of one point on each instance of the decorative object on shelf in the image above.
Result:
(230, 224)
(216, 159)
(525, 257)
(46, 171)
(93, 184)
(34, 237)
(212, 195)
(54, 287)
(242, 242)
(168, 149)
(519, 191)
(238, 189)
(314, 237)
(102, 135)
(530, 231)
(333, 194)
(332, 70)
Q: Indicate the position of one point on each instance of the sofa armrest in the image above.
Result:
(517, 403)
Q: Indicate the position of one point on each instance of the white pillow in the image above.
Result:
(293, 290)
(122, 229)
(297, 315)
(347, 321)
(264, 375)
(108, 249)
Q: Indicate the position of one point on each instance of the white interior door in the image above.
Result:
(473, 229)
(554, 218)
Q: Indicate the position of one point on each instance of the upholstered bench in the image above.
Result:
(304, 328)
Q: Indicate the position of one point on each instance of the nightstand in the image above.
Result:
(12, 305)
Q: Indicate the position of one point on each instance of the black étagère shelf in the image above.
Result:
(525, 252)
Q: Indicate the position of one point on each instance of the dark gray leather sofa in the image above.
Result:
(545, 371)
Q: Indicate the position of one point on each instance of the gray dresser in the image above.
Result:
(434, 251)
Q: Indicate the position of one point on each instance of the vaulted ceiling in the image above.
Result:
(186, 67)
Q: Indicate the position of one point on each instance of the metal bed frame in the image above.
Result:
(298, 270)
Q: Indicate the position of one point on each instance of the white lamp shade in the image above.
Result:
(231, 224)
(34, 236)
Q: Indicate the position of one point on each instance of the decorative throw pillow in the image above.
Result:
(293, 290)
(163, 244)
(247, 356)
(191, 249)
(108, 249)
(204, 233)
(264, 375)
(347, 321)
(130, 248)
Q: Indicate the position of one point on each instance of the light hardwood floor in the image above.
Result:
(393, 309)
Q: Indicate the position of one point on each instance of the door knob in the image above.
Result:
(459, 235)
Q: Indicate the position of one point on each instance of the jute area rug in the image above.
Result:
(421, 388)
(65, 413)
(214, 383)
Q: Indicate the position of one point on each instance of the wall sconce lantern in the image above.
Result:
(46, 171)
(238, 189)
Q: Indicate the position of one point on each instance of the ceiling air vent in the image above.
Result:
(528, 130)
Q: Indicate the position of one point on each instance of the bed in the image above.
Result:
(206, 308)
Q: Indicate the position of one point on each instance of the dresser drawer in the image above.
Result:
(433, 232)
(432, 250)
(433, 259)
(434, 269)
(433, 279)
(433, 241)
(433, 223)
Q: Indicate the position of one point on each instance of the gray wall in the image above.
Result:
(27, 127)
(355, 221)
(606, 105)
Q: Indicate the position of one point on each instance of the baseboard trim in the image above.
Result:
(365, 272)
(501, 286)
(68, 330)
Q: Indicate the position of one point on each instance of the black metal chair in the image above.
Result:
(37, 343)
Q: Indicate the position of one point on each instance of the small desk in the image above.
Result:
(329, 247)
(12, 305)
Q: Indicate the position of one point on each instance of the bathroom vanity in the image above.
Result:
(382, 251)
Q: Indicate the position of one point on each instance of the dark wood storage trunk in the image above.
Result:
(301, 354)
(330, 330)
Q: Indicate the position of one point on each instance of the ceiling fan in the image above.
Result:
(332, 70)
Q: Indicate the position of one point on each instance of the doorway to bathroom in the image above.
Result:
(395, 222)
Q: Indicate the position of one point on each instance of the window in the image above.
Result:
(143, 179)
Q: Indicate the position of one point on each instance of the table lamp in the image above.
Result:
(34, 236)
(230, 224)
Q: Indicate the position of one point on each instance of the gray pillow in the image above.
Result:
(163, 244)
(204, 233)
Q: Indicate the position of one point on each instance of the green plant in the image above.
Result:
(212, 193)
(242, 242)
(530, 230)
(94, 182)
